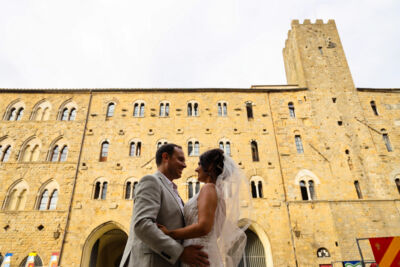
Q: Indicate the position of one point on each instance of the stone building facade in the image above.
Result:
(321, 157)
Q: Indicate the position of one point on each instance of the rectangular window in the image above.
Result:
(299, 145)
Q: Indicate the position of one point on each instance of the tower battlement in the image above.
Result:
(308, 22)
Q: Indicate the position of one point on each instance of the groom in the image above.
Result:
(157, 201)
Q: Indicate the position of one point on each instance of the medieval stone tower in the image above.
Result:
(321, 157)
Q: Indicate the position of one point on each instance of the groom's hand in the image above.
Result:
(193, 255)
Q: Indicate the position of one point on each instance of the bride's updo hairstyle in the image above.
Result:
(212, 162)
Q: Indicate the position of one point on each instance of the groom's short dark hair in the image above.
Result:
(169, 148)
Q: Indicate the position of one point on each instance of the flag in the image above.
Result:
(30, 262)
(352, 264)
(386, 251)
(54, 259)
(7, 260)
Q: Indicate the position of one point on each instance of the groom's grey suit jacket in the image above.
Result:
(147, 245)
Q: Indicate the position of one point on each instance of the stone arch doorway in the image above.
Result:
(104, 246)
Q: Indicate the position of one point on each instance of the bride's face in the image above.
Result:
(202, 175)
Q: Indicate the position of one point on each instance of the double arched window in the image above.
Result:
(307, 190)
(100, 188)
(193, 148)
(164, 109)
(135, 148)
(323, 253)
(225, 145)
(138, 108)
(16, 196)
(67, 111)
(222, 109)
(15, 111)
(130, 184)
(30, 150)
(161, 142)
(256, 183)
(58, 151)
(48, 196)
(193, 109)
(41, 111)
(193, 186)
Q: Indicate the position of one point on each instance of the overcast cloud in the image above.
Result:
(183, 43)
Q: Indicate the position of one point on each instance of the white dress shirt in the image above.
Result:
(174, 189)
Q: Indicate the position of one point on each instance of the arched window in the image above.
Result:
(374, 109)
(164, 109)
(48, 196)
(110, 110)
(5, 155)
(323, 253)
(190, 148)
(299, 144)
(222, 109)
(225, 145)
(291, 110)
(256, 184)
(100, 189)
(249, 109)
(55, 154)
(12, 115)
(254, 151)
(104, 190)
(64, 116)
(358, 189)
(135, 148)
(311, 189)
(303, 189)
(193, 109)
(19, 114)
(189, 109)
(97, 190)
(397, 181)
(16, 196)
(72, 114)
(53, 200)
(307, 193)
(64, 153)
(41, 111)
(30, 150)
(193, 148)
(161, 143)
(253, 189)
(44, 198)
(194, 187)
(104, 151)
(138, 109)
(130, 188)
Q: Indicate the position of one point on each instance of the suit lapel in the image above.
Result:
(166, 185)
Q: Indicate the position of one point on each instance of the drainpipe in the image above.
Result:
(75, 178)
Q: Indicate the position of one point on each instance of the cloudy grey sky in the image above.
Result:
(183, 43)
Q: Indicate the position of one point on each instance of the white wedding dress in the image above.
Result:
(209, 241)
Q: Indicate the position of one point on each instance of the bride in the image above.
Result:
(212, 215)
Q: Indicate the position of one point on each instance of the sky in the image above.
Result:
(184, 43)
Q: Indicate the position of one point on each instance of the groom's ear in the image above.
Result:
(165, 155)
